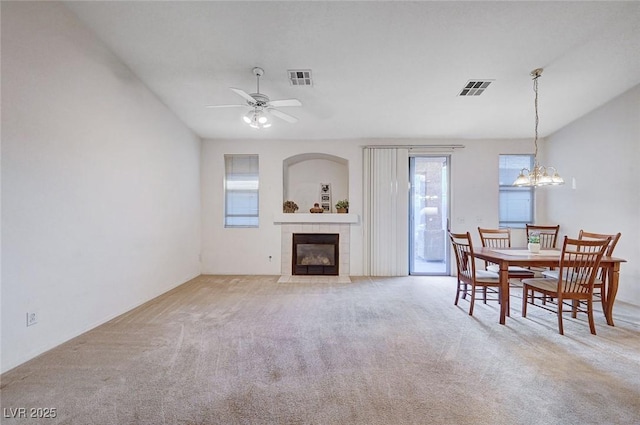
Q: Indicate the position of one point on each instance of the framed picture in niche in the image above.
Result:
(325, 196)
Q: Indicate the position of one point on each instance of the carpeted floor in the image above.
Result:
(392, 351)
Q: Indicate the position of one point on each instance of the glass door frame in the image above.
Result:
(412, 216)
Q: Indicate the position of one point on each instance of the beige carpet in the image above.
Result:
(249, 350)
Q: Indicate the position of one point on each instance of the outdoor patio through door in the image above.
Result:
(428, 213)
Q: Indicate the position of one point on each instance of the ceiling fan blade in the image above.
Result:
(282, 115)
(285, 102)
(244, 94)
(226, 106)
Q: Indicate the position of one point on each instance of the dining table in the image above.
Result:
(550, 258)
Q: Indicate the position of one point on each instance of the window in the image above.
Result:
(241, 191)
(516, 203)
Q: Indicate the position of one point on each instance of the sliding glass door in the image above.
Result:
(428, 214)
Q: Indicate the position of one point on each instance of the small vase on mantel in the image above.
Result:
(289, 207)
(342, 207)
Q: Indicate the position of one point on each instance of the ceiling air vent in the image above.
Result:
(300, 77)
(475, 87)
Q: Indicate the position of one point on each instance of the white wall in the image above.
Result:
(100, 184)
(246, 251)
(601, 151)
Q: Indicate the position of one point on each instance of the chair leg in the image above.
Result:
(560, 327)
(603, 299)
(457, 293)
(473, 299)
(525, 295)
(592, 325)
(574, 308)
(507, 301)
(484, 295)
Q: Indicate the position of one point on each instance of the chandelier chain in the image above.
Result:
(539, 175)
(537, 120)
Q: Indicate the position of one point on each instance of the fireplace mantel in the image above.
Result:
(320, 218)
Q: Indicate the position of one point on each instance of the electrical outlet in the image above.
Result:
(32, 319)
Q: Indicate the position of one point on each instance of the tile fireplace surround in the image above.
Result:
(315, 223)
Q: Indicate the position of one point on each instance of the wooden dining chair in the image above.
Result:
(548, 235)
(600, 282)
(548, 240)
(579, 264)
(470, 279)
(501, 238)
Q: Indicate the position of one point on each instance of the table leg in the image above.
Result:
(504, 292)
(612, 289)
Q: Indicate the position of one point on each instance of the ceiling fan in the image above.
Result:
(261, 106)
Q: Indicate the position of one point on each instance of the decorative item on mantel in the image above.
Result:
(289, 207)
(316, 209)
(325, 196)
(534, 243)
(342, 206)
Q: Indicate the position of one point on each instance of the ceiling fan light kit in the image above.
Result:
(257, 119)
(262, 108)
(539, 175)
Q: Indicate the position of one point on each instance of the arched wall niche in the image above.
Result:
(303, 174)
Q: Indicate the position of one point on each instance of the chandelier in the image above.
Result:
(539, 175)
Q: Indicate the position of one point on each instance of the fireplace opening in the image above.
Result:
(315, 254)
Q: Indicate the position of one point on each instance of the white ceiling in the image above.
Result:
(381, 69)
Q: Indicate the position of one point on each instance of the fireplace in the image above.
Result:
(315, 254)
(339, 224)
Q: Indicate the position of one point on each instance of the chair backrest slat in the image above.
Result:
(609, 252)
(592, 236)
(580, 260)
(495, 238)
(463, 249)
(548, 234)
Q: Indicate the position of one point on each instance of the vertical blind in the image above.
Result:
(241, 191)
(386, 211)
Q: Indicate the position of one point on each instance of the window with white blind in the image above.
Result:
(241, 191)
(516, 203)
